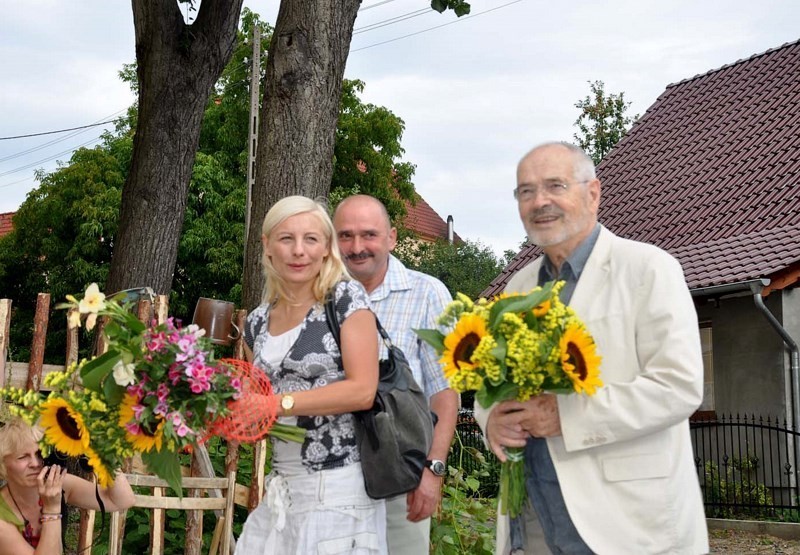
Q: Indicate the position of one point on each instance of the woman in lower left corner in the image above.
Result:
(32, 495)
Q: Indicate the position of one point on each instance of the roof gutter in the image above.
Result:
(718, 290)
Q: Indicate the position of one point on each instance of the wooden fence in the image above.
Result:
(30, 375)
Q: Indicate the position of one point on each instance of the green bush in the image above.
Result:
(737, 493)
(466, 520)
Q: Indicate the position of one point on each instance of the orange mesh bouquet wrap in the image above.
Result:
(252, 416)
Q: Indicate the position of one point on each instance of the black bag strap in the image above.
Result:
(333, 323)
(366, 417)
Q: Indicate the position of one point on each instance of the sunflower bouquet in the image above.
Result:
(156, 391)
(514, 347)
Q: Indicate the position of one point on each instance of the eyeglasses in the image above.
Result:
(550, 189)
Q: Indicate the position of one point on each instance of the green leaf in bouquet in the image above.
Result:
(532, 321)
(94, 371)
(133, 324)
(165, 465)
(434, 338)
(113, 392)
(518, 304)
(490, 394)
(112, 330)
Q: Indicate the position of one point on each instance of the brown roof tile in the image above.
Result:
(425, 222)
(711, 173)
(5, 223)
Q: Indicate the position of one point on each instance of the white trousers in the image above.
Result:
(322, 513)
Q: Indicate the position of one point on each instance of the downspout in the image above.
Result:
(755, 286)
(794, 369)
(794, 358)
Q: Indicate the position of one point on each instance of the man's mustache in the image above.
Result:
(363, 255)
(546, 211)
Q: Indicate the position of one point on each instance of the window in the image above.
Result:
(706, 343)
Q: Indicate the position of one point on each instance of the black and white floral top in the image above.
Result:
(314, 361)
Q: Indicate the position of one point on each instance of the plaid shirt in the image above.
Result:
(406, 300)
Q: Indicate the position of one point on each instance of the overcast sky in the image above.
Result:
(475, 93)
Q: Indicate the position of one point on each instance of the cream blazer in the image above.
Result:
(624, 459)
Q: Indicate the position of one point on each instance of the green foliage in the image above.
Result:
(62, 239)
(367, 151)
(466, 521)
(737, 493)
(460, 7)
(602, 122)
(467, 267)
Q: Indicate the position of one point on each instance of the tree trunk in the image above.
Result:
(177, 66)
(298, 116)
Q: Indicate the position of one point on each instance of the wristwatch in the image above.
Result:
(287, 404)
(436, 466)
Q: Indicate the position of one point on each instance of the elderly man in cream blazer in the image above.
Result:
(612, 473)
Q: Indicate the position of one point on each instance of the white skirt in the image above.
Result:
(322, 513)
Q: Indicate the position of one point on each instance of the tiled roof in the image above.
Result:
(711, 173)
(425, 222)
(5, 223)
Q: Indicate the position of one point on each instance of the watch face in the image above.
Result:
(287, 402)
(437, 467)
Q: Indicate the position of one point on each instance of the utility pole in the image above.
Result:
(255, 81)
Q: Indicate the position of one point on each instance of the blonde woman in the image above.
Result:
(315, 500)
(32, 495)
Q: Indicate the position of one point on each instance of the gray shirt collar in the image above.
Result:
(572, 267)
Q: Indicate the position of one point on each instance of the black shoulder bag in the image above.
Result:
(396, 434)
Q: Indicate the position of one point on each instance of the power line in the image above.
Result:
(460, 19)
(391, 21)
(58, 131)
(33, 164)
(81, 130)
(4, 185)
(375, 5)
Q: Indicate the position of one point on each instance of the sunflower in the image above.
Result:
(145, 440)
(580, 360)
(541, 309)
(63, 427)
(104, 476)
(461, 343)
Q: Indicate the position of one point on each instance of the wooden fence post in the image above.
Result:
(194, 519)
(161, 309)
(72, 339)
(5, 328)
(40, 321)
(238, 347)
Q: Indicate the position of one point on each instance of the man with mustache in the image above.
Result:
(403, 300)
(612, 473)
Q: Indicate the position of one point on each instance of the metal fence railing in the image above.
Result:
(471, 455)
(747, 466)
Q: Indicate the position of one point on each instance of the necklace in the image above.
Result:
(27, 532)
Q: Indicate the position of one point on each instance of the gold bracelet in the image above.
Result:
(46, 513)
(48, 518)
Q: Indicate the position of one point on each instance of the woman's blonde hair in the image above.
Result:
(333, 269)
(13, 435)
